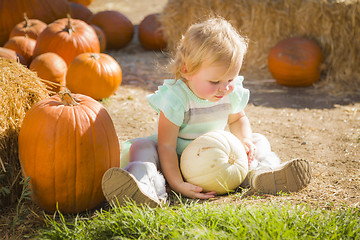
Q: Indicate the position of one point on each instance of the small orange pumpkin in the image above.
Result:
(79, 11)
(150, 33)
(51, 67)
(296, 62)
(117, 27)
(68, 38)
(101, 36)
(83, 2)
(30, 27)
(95, 75)
(11, 54)
(23, 45)
(66, 144)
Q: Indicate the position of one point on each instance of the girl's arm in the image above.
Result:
(167, 138)
(239, 125)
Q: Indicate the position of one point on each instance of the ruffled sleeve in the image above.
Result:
(240, 96)
(169, 99)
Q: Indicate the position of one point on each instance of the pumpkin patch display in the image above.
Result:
(23, 45)
(117, 27)
(51, 67)
(68, 38)
(66, 143)
(150, 33)
(296, 62)
(215, 161)
(97, 75)
(12, 12)
(30, 27)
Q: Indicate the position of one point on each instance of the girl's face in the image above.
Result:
(211, 82)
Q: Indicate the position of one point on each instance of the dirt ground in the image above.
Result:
(306, 123)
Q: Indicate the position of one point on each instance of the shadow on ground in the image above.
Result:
(268, 93)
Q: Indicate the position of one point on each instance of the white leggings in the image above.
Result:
(145, 150)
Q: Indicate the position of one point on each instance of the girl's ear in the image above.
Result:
(183, 69)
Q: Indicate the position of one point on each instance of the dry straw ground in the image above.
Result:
(307, 123)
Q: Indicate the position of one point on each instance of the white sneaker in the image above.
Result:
(291, 176)
(119, 186)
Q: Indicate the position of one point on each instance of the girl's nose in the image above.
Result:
(224, 87)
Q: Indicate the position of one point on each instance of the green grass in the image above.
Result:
(209, 221)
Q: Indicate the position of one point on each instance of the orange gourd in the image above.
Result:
(296, 62)
(30, 27)
(12, 12)
(95, 75)
(118, 28)
(68, 38)
(51, 67)
(23, 45)
(79, 11)
(150, 33)
(65, 146)
(11, 54)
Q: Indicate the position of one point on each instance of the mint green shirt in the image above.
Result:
(193, 115)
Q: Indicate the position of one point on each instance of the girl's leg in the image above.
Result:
(267, 174)
(140, 181)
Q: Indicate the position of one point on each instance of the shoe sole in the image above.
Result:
(119, 187)
(291, 177)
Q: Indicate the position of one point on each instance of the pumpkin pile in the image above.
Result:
(215, 161)
(49, 47)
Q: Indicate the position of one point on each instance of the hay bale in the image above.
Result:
(335, 25)
(20, 88)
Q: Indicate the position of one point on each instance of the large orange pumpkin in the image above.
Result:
(95, 75)
(296, 62)
(30, 27)
(68, 38)
(23, 45)
(150, 33)
(117, 27)
(51, 67)
(65, 146)
(12, 12)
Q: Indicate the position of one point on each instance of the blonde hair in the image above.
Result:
(214, 41)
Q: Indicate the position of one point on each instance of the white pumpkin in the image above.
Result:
(215, 161)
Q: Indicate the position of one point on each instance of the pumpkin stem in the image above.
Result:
(69, 27)
(67, 99)
(94, 56)
(26, 21)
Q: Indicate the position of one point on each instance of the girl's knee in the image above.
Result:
(143, 144)
(144, 150)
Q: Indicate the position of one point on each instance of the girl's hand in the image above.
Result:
(249, 148)
(193, 191)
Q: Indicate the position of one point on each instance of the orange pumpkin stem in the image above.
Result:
(95, 56)
(69, 27)
(26, 21)
(67, 99)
